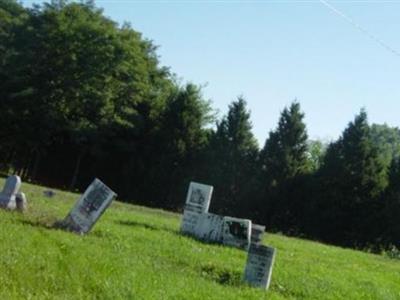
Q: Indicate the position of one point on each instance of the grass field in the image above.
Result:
(137, 253)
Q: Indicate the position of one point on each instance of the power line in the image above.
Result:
(360, 28)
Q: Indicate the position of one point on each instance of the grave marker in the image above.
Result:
(89, 208)
(257, 231)
(197, 202)
(236, 232)
(21, 203)
(260, 261)
(10, 190)
(210, 228)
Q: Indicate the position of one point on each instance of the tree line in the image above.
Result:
(82, 96)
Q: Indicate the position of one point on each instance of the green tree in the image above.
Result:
(387, 139)
(388, 223)
(353, 176)
(233, 153)
(182, 138)
(284, 162)
(284, 155)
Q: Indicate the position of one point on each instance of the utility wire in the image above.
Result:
(360, 28)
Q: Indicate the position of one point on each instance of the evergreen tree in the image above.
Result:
(284, 160)
(233, 153)
(388, 225)
(284, 155)
(353, 177)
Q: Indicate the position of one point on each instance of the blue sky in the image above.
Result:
(273, 52)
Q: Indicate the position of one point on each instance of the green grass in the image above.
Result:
(137, 253)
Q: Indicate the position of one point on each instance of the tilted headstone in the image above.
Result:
(89, 207)
(197, 202)
(260, 261)
(21, 202)
(236, 232)
(10, 190)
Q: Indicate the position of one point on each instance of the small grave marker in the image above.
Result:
(21, 203)
(257, 231)
(260, 261)
(89, 208)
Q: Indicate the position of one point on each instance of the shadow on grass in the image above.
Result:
(50, 224)
(147, 226)
(46, 224)
(221, 275)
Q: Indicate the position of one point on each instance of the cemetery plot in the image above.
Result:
(209, 227)
(260, 261)
(89, 207)
(240, 233)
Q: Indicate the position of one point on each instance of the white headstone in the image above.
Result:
(89, 207)
(210, 228)
(199, 196)
(11, 188)
(21, 202)
(260, 261)
(236, 232)
(197, 202)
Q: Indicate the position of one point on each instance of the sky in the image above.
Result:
(333, 57)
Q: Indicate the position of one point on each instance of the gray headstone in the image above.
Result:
(197, 202)
(12, 185)
(89, 207)
(21, 202)
(260, 261)
(257, 232)
(236, 232)
(11, 188)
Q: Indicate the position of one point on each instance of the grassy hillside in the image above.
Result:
(138, 253)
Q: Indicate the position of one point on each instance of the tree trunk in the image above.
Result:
(77, 169)
(36, 165)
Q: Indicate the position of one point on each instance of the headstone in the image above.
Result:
(197, 202)
(11, 188)
(210, 228)
(89, 207)
(236, 232)
(21, 202)
(257, 232)
(260, 261)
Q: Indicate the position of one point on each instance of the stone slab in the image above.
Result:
(89, 208)
(260, 261)
(197, 203)
(236, 232)
(210, 228)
